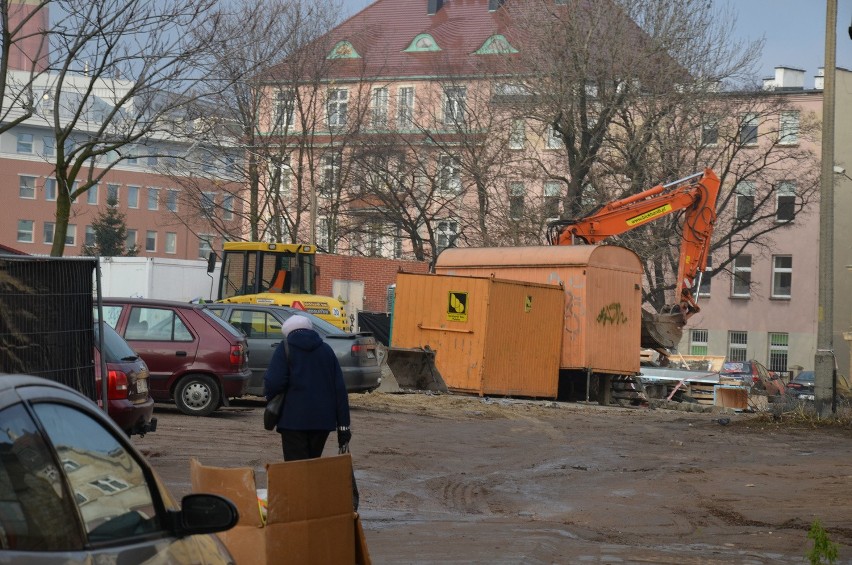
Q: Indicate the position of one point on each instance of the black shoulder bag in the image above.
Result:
(272, 412)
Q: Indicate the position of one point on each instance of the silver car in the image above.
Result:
(261, 325)
(73, 489)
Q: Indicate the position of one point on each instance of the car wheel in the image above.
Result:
(197, 395)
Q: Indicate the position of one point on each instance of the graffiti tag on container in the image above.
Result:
(612, 314)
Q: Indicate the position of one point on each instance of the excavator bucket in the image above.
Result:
(413, 369)
(661, 330)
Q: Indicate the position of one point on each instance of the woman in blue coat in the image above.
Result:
(316, 401)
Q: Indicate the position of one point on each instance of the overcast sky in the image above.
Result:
(794, 31)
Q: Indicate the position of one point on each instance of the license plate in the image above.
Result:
(141, 386)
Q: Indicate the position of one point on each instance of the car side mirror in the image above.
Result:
(204, 514)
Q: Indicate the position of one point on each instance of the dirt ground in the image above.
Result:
(459, 479)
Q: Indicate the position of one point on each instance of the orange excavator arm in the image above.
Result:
(695, 194)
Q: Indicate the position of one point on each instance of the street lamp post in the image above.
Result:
(824, 363)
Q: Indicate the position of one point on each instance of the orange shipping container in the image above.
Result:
(603, 298)
(491, 336)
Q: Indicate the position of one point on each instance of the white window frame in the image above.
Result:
(741, 270)
(170, 245)
(710, 130)
(788, 128)
(283, 109)
(50, 189)
(133, 196)
(337, 107)
(92, 195)
(331, 165)
(153, 198)
(699, 342)
(552, 141)
(322, 232)
(379, 108)
(455, 101)
(208, 202)
(48, 144)
(446, 233)
(785, 196)
(745, 193)
(228, 207)
(517, 194)
(172, 199)
(780, 271)
(518, 135)
(405, 107)
(149, 239)
(48, 232)
(89, 238)
(71, 234)
(24, 143)
(27, 187)
(25, 227)
(779, 350)
(737, 346)
(449, 174)
(113, 190)
(552, 199)
(205, 244)
(749, 128)
(131, 240)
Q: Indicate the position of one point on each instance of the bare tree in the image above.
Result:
(23, 59)
(123, 72)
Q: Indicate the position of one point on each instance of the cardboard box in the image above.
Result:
(309, 517)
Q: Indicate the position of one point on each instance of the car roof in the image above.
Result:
(151, 302)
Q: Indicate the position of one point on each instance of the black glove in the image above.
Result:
(344, 434)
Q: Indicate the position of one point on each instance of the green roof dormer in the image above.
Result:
(421, 43)
(343, 50)
(496, 45)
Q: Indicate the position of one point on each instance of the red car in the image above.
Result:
(195, 358)
(129, 404)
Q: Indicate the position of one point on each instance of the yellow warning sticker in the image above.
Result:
(457, 306)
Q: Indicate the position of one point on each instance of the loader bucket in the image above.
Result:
(661, 330)
(414, 368)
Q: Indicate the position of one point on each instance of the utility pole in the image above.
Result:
(825, 374)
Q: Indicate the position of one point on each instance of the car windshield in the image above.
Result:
(736, 369)
(804, 376)
(115, 348)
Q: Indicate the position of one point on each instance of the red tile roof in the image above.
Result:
(382, 31)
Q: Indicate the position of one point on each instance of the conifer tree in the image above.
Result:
(110, 233)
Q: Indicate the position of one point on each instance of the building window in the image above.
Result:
(285, 176)
(742, 277)
(26, 186)
(133, 197)
(112, 195)
(25, 143)
(71, 235)
(446, 235)
(516, 200)
(553, 141)
(228, 207)
(153, 198)
(92, 195)
(552, 198)
(405, 107)
(782, 276)
(205, 245)
(778, 348)
(789, 128)
(379, 108)
(208, 202)
(330, 168)
(323, 231)
(171, 242)
(748, 129)
(172, 200)
(698, 342)
(90, 236)
(704, 285)
(153, 160)
(150, 240)
(710, 130)
(518, 135)
(745, 200)
(454, 105)
(47, 232)
(130, 242)
(282, 112)
(786, 201)
(737, 346)
(449, 174)
(337, 107)
(50, 189)
(25, 231)
(48, 145)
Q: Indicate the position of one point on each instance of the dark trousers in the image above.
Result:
(303, 444)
